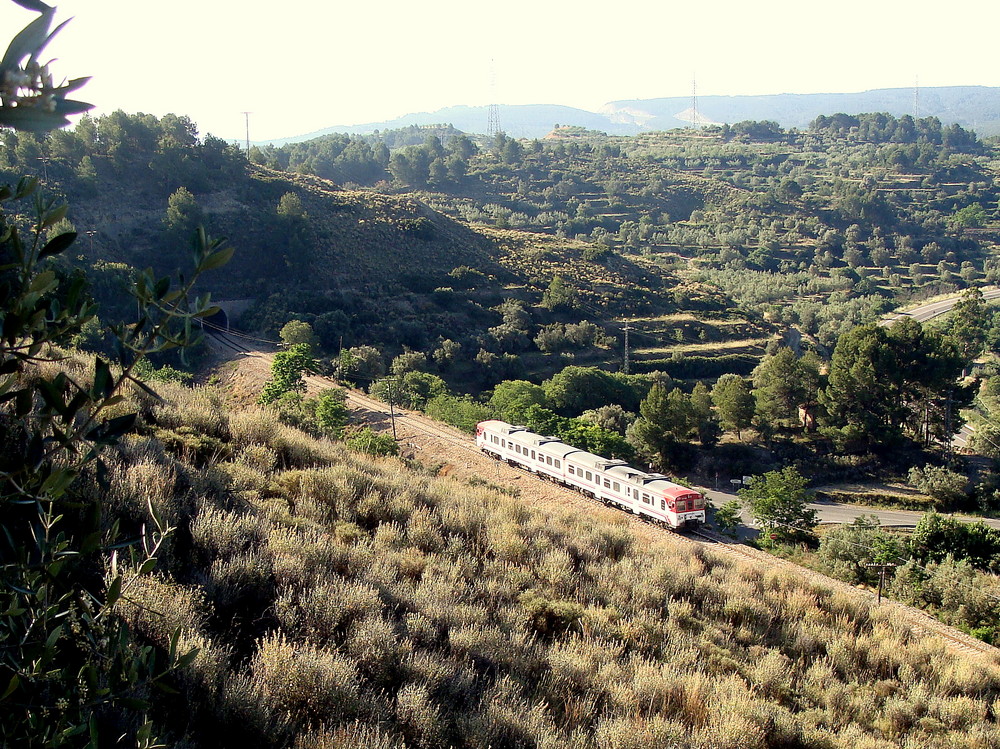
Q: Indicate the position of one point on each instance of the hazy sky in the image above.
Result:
(302, 66)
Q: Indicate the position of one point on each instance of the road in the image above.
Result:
(928, 311)
(835, 512)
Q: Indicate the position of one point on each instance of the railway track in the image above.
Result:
(918, 621)
(420, 433)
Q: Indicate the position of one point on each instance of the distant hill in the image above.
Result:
(973, 107)
(518, 121)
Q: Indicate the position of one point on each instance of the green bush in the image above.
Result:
(371, 443)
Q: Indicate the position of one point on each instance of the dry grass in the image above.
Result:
(342, 601)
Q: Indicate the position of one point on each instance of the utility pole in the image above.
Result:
(882, 569)
(392, 410)
(626, 362)
(947, 428)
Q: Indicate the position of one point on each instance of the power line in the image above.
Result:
(238, 334)
(905, 560)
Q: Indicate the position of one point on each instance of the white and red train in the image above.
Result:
(650, 495)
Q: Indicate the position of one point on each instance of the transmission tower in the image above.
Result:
(493, 122)
(246, 116)
(694, 101)
(493, 118)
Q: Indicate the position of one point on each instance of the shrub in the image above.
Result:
(461, 412)
(367, 441)
(297, 685)
(548, 616)
(947, 487)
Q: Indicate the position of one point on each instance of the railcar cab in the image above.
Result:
(685, 505)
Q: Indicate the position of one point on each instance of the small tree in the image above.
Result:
(372, 443)
(297, 331)
(290, 206)
(558, 294)
(409, 361)
(728, 517)
(777, 500)
(288, 371)
(361, 363)
(183, 213)
(848, 550)
(733, 402)
(331, 412)
(946, 487)
(664, 425)
(511, 400)
(706, 423)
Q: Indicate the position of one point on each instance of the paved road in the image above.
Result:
(833, 512)
(928, 311)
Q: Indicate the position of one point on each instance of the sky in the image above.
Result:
(302, 66)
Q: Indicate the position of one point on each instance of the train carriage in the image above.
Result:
(614, 482)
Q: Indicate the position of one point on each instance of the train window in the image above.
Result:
(607, 484)
(572, 470)
(647, 499)
(617, 486)
(663, 503)
(681, 505)
(590, 476)
(503, 443)
(557, 464)
(532, 454)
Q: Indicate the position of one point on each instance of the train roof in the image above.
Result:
(502, 427)
(596, 462)
(626, 472)
(558, 449)
(669, 488)
(553, 445)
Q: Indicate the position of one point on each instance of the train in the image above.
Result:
(652, 496)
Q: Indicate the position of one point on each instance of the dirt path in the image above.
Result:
(244, 370)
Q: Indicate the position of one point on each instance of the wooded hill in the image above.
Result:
(364, 268)
(705, 242)
(821, 229)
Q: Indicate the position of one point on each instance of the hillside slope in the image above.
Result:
(343, 601)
